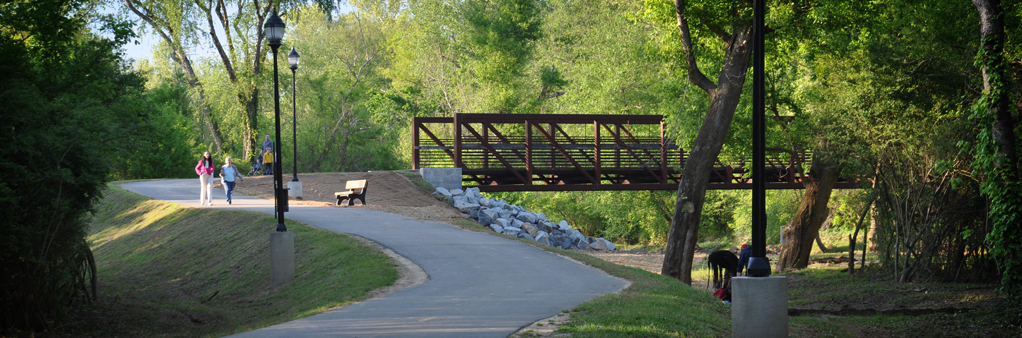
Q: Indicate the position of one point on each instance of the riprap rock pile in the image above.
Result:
(513, 220)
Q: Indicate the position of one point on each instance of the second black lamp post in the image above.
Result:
(292, 58)
(274, 29)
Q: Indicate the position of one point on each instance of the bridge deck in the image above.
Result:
(535, 152)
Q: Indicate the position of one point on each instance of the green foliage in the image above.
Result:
(70, 109)
(345, 122)
(889, 108)
(718, 216)
(163, 142)
(1001, 185)
(500, 36)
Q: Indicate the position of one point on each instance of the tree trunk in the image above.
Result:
(819, 243)
(681, 241)
(851, 239)
(252, 122)
(871, 235)
(1005, 198)
(1003, 130)
(811, 214)
(826, 225)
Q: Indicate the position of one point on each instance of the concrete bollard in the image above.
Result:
(759, 306)
(294, 189)
(282, 257)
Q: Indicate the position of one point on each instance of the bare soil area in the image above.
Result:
(386, 191)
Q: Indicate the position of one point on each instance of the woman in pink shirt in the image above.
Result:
(205, 171)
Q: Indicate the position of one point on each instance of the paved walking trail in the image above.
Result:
(479, 285)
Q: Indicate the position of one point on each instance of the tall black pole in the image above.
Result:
(759, 266)
(294, 126)
(278, 181)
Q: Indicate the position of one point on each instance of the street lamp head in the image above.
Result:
(292, 58)
(274, 28)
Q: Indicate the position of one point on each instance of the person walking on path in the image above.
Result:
(229, 173)
(268, 161)
(267, 143)
(205, 171)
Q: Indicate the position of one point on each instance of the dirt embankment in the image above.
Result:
(386, 191)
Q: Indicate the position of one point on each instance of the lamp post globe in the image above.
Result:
(292, 58)
(274, 29)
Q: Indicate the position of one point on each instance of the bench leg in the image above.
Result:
(341, 199)
(360, 199)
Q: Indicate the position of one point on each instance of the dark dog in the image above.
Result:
(722, 260)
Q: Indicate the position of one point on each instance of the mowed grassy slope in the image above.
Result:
(653, 306)
(169, 271)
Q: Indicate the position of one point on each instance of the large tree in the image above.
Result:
(996, 153)
(237, 40)
(69, 107)
(731, 23)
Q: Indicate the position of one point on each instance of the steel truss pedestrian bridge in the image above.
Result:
(539, 152)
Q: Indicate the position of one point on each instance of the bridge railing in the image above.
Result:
(509, 152)
(528, 151)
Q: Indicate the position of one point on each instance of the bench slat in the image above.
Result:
(357, 184)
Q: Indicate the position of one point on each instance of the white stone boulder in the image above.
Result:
(598, 245)
(444, 192)
(465, 206)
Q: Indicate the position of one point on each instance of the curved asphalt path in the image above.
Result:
(479, 285)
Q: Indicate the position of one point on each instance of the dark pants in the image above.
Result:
(268, 168)
(230, 189)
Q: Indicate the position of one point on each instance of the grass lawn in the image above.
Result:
(653, 306)
(169, 271)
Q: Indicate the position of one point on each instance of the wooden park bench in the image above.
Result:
(356, 189)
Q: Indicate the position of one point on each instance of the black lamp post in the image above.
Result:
(274, 28)
(758, 266)
(292, 58)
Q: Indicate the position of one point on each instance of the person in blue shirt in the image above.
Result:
(267, 143)
(229, 174)
(743, 257)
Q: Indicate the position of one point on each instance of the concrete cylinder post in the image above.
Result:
(294, 189)
(282, 257)
(759, 307)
